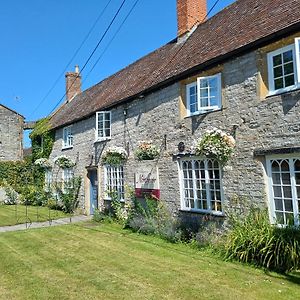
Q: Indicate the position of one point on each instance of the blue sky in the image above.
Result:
(38, 39)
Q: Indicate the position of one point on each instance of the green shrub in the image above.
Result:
(69, 194)
(11, 195)
(210, 234)
(252, 239)
(152, 217)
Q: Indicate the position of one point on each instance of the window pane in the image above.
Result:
(288, 68)
(276, 178)
(288, 204)
(277, 191)
(204, 102)
(277, 60)
(287, 192)
(285, 166)
(278, 83)
(203, 93)
(278, 72)
(289, 80)
(278, 204)
(286, 178)
(297, 165)
(288, 56)
(203, 83)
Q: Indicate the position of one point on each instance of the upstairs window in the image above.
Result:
(67, 137)
(284, 68)
(204, 95)
(103, 125)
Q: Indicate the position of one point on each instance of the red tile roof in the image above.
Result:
(242, 25)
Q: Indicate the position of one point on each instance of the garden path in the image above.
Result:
(62, 221)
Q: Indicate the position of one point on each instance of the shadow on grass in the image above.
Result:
(293, 277)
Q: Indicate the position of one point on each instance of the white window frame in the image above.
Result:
(67, 137)
(271, 201)
(203, 110)
(67, 176)
(209, 209)
(296, 62)
(120, 181)
(104, 137)
(48, 180)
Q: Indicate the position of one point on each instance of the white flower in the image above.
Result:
(43, 162)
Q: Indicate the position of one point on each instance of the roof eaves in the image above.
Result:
(192, 71)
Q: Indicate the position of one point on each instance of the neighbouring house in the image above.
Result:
(11, 134)
(238, 71)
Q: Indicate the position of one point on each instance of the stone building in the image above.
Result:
(238, 71)
(11, 134)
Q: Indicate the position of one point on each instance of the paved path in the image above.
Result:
(57, 222)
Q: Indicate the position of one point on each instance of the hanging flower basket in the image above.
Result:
(64, 162)
(146, 151)
(43, 163)
(114, 156)
(216, 144)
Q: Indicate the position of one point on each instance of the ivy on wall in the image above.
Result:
(21, 174)
(42, 139)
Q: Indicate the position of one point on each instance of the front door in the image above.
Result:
(93, 176)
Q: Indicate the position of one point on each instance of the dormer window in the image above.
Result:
(284, 68)
(103, 125)
(67, 137)
(204, 95)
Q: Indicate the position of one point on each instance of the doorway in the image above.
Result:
(93, 176)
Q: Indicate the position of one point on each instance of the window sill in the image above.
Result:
(203, 212)
(203, 112)
(100, 140)
(67, 147)
(109, 199)
(283, 91)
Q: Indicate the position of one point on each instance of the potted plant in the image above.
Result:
(146, 151)
(114, 156)
(216, 144)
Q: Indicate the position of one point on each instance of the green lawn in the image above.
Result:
(91, 261)
(12, 215)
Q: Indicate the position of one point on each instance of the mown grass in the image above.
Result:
(91, 261)
(12, 215)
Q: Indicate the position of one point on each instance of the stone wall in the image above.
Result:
(11, 135)
(267, 123)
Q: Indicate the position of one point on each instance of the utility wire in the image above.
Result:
(72, 58)
(91, 55)
(111, 40)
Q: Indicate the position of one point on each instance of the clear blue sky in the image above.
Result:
(39, 37)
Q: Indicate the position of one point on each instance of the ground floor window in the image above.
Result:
(67, 176)
(284, 190)
(48, 180)
(114, 182)
(200, 181)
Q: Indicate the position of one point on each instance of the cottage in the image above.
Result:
(11, 134)
(237, 71)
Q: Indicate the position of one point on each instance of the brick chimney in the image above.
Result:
(73, 84)
(189, 14)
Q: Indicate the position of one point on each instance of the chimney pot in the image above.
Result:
(73, 84)
(189, 14)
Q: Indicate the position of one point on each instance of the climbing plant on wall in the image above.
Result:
(42, 139)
